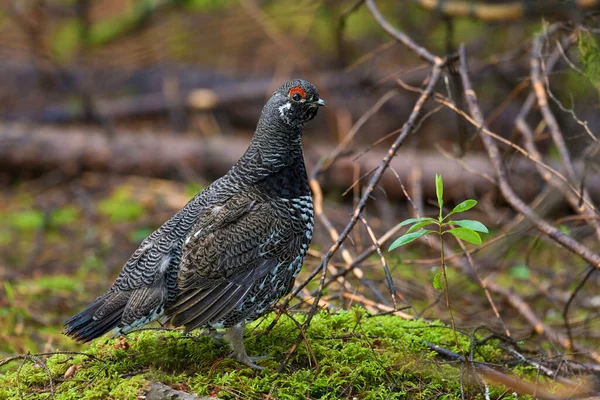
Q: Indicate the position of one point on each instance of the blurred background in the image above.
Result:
(114, 113)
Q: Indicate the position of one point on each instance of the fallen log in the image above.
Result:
(509, 10)
(190, 88)
(27, 151)
(160, 391)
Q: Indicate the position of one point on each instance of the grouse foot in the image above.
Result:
(235, 337)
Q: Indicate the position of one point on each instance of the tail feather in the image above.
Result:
(86, 326)
(125, 310)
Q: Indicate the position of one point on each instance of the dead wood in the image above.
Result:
(191, 88)
(508, 10)
(27, 151)
(160, 391)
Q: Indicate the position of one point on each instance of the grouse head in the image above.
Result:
(297, 102)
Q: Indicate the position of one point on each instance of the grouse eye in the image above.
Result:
(297, 93)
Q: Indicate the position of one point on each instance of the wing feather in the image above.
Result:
(204, 300)
(223, 261)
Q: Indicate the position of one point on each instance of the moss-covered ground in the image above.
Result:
(60, 252)
(348, 354)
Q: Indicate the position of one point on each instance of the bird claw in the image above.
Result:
(215, 335)
(247, 360)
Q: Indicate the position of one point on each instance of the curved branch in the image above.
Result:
(507, 191)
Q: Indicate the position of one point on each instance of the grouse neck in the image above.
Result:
(277, 142)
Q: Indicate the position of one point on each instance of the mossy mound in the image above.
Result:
(358, 356)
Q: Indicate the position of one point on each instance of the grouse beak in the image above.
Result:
(319, 103)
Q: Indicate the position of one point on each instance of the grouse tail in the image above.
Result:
(103, 315)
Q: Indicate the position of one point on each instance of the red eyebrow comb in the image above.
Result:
(298, 90)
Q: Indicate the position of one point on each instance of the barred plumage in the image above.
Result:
(233, 250)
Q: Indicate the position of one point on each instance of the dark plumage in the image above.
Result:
(233, 250)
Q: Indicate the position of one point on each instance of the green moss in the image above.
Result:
(589, 53)
(26, 220)
(348, 354)
(120, 207)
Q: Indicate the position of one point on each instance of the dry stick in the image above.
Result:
(36, 360)
(333, 233)
(531, 155)
(565, 312)
(517, 302)
(463, 164)
(504, 10)
(382, 307)
(589, 212)
(570, 111)
(525, 130)
(365, 254)
(494, 375)
(541, 367)
(439, 98)
(483, 284)
(539, 326)
(385, 237)
(542, 99)
(383, 262)
(325, 163)
(318, 207)
(273, 33)
(402, 37)
(305, 296)
(406, 129)
(511, 197)
(342, 19)
(529, 142)
(507, 191)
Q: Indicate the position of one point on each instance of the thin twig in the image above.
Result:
(511, 197)
(522, 126)
(406, 130)
(401, 36)
(390, 281)
(507, 191)
(439, 98)
(565, 312)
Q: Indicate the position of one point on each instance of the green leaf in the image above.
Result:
(462, 207)
(121, 207)
(28, 220)
(415, 220)
(64, 216)
(589, 55)
(520, 272)
(470, 224)
(55, 283)
(193, 188)
(10, 293)
(138, 235)
(408, 237)
(565, 229)
(468, 235)
(420, 225)
(438, 281)
(63, 42)
(439, 190)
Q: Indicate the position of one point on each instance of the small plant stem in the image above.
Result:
(446, 289)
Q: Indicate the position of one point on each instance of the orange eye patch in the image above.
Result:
(297, 90)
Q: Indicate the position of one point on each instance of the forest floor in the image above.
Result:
(65, 239)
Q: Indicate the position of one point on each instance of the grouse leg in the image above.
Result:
(215, 335)
(235, 337)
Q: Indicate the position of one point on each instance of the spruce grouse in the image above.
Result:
(233, 250)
